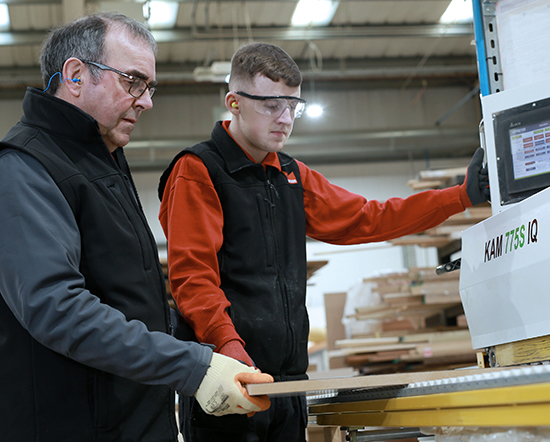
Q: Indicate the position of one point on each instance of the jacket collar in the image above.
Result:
(234, 155)
(59, 117)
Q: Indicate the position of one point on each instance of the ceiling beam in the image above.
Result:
(177, 75)
(289, 33)
(265, 1)
(286, 33)
(32, 2)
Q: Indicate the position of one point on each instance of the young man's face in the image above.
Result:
(260, 134)
(109, 102)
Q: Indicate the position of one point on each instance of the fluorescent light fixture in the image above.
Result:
(160, 15)
(314, 110)
(4, 17)
(314, 12)
(458, 11)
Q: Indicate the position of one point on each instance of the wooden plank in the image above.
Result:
(435, 288)
(334, 311)
(436, 349)
(405, 310)
(293, 388)
(472, 215)
(426, 184)
(524, 352)
(442, 299)
(428, 274)
(438, 336)
(443, 173)
(373, 349)
(422, 241)
(366, 341)
(404, 333)
(371, 358)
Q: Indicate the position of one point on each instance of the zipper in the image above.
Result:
(272, 191)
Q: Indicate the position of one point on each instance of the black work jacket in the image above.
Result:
(54, 398)
(262, 261)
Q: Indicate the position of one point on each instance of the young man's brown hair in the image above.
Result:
(266, 59)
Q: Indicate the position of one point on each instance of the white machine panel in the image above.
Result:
(505, 274)
(495, 104)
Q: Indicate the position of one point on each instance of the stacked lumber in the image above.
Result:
(445, 348)
(421, 324)
(416, 292)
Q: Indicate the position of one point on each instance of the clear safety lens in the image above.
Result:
(274, 107)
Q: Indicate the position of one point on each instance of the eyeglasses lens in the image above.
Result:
(138, 88)
(276, 106)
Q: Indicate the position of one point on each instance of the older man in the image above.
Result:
(85, 327)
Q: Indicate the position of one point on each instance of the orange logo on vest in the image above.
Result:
(291, 178)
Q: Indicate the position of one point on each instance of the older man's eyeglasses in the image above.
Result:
(274, 106)
(138, 86)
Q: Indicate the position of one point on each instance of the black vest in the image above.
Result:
(49, 396)
(263, 257)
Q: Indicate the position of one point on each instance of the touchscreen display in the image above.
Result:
(530, 149)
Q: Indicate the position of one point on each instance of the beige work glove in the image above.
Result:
(222, 388)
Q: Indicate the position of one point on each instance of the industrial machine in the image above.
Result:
(503, 283)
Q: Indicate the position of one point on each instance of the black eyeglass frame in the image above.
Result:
(272, 97)
(133, 79)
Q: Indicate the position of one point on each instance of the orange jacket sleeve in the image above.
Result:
(192, 219)
(337, 216)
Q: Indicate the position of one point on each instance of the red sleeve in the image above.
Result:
(192, 218)
(337, 216)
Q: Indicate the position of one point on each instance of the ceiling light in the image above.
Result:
(314, 12)
(458, 11)
(314, 110)
(4, 17)
(160, 15)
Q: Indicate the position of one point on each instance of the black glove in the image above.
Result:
(477, 179)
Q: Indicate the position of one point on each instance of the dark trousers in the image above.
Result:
(284, 421)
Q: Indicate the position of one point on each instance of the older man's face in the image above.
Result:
(109, 102)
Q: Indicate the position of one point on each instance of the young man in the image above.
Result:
(85, 326)
(236, 212)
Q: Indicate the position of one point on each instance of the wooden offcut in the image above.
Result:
(293, 388)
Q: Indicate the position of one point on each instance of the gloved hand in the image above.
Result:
(222, 388)
(476, 182)
(234, 349)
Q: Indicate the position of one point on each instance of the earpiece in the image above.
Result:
(234, 105)
(74, 80)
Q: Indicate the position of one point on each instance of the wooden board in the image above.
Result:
(523, 352)
(293, 388)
